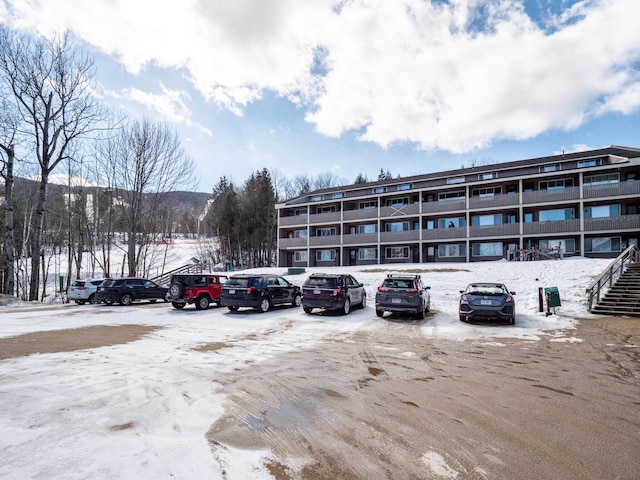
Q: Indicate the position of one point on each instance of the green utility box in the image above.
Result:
(296, 271)
(227, 266)
(553, 297)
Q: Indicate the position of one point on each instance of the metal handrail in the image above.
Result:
(630, 255)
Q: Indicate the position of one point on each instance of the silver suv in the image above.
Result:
(400, 293)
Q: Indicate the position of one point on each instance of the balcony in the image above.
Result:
(546, 196)
(400, 211)
(331, 217)
(405, 236)
(494, 201)
(324, 241)
(557, 226)
(292, 242)
(444, 233)
(447, 206)
(622, 222)
(293, 220)
(360, 214)
(359, 238)
(612, 190)
(495, 230)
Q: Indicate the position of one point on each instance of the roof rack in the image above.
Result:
(400, 275)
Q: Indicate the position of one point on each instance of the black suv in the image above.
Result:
(332, 291)
(200, 288)
(127, 290)
(403, 294)
(259, 291)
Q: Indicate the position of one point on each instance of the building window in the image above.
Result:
(451, 196)
(567, 245)
(604, 179)
(602, 211)
(367, 254)
(603, 244)
(405, 186)
(397, 252)
(325, 255)
(592, 162)
(338, 195)
(300, 212)
(300, 256)
(369, 228)
(397, 227)
(379, 190)
(368, 205)
(454, 180)
(556, 184)
(452, 222)
(556, 214)
(488, 249)
(300, 233)
(326, 232)
(485, 220)
(454, 250)
(488, 176)
(486, 192)
(327, 209)
(550, 168)
(398, 202)
(317, 198)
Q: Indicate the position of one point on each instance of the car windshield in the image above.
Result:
(397, 283)
(322, 282)
(485, 289)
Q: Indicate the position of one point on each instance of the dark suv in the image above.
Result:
(332, 291)
(127, 290)
(259, 291)
(403, 294)
(201, 289)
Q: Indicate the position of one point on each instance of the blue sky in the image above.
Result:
(306, 87)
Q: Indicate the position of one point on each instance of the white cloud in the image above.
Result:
(452, 76)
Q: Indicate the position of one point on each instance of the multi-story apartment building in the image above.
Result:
(585, 203)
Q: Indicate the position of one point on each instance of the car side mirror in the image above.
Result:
(461, 291)
(361, 284)
(427, 288)
(512, 293)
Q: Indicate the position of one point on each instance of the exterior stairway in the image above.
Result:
(165, 278)
(623, 298)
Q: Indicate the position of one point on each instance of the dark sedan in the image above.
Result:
(125, 291)
(258, 291)
(487, 301)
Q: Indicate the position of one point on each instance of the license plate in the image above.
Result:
(232, 292)
(485, 302)
(396, 300)
(316, 292)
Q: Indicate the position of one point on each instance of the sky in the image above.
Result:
(61, 412)
(351, 87)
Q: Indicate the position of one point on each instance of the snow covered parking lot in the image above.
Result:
(147, 391)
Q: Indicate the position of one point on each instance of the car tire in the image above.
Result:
(379, 313)
(420, 314)
(364, 301)
(176, 290)
(297, 300)
(265, 305)
(126, 299)
(177, 305)
(202, 303)
(92, 299)
(307, 309)
(512, 320)
(346, 307)
(232, 308)
(463, 318)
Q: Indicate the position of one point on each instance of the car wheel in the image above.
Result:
(177, 305)
(126, 299)
(463, 318)
(512, 320)
(92, 299)
(233, 308)
(426, 310)
(176, 290)
(420, 314)
(202, 303)
(297, 300)
(364, 300)
(379, 313)
(265, 305)
(346, 307)
(307, 309)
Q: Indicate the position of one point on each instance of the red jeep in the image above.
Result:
(201, 289)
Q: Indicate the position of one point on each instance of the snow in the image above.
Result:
(142, 409)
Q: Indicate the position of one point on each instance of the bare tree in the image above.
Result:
(141, 165)
(51, 86)
(8, 131)
(327, 180)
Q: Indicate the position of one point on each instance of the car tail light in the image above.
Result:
(336, 291)
(509, 299)
(412, 290)
(81, 288)
(463, 299)
(383, 289)
(250, 290)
